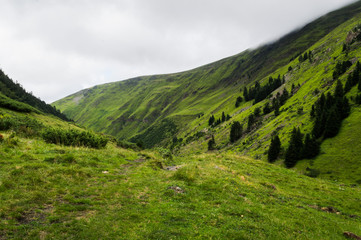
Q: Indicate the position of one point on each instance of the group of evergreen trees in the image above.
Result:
(280, 100)
(259, 93)
(299, 149)
(305, 56)
(212, 122)
(341, 68)
(353, 79)
(328, 113)
(16, 92)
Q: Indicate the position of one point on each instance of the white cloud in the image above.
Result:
(56, 47)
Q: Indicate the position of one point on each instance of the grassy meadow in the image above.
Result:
(55, 192)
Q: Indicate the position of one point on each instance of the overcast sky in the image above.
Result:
(57, 47)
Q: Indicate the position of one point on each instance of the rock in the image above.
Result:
(330, 210)
(172, 168)
(313, 206)
(176, 189)
(351, 235)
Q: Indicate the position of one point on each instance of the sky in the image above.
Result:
(54, 48)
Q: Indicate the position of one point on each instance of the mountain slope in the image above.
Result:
(14, 91)
(174, 110)
(125, 109)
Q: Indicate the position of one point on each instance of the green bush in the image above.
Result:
(127, 145)
(24, 126)
(74, 138)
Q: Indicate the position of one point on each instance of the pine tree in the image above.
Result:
(274, 149)
(245, 94)
(313, 112)
(319, 126)
(333, 123)
(349, 83)
(236, 131)
(276, 107)
(294, 150)
(223, 117)
(238, 101)
(211, 144)
(257, 112)
(339, 90)
(266, 109)
(311, 148)
(250, 121)
(211, 120)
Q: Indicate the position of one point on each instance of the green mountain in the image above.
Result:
(174, 110)
(61, 181)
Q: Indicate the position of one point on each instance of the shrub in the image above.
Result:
(127, 145)
(74, 138)
(24, 126)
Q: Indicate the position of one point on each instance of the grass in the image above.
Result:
(54, 192)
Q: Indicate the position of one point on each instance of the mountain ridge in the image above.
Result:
(173, 110)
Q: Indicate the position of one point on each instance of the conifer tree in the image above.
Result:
(245, 94)
(276, 108)
(238, 101)
(294, 150)
(274, 149)
(349, 83)
(266, 109)
(339, 90)
(236, 131)
(211, 144)
(250, 121)
(311, 147)
(333, 123)
(223, 117)
(313, 113)
(211, 120)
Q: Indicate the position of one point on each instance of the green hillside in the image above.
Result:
(186, 155)
(14, 96)
(53, 191)
(173, 110)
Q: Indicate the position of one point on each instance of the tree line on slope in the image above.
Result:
(327, 114)
(16, 92)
